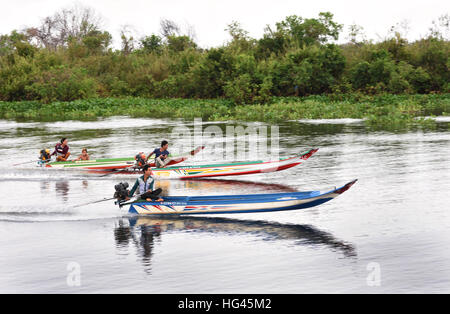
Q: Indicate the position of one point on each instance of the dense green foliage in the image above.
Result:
(297, 57)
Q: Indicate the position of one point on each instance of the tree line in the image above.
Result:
(69, 56)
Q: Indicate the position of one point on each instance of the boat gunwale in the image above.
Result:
(119, 159)
(243, 163)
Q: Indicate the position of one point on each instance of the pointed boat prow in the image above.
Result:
(309, 153)
(345, 187)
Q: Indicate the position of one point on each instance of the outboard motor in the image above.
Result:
(45, 155)
(121, 193)
(140, 159)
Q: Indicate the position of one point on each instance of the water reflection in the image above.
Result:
(85, 184)
(210, 186)
(62, 189)
(238, 184)
(142, 236)
(144, 232)
(45, 186)
(222, 186)
(311, 131)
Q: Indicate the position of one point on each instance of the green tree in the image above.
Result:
(17, 43)
(62, 84)
(151, 44)
(96, 41)
(241, 41)
(310, 31)
(212, 72)
(180, 43)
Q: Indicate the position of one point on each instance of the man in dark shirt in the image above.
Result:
(61, 150)
(161, 155)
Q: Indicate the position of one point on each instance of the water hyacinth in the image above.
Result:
(382, 111)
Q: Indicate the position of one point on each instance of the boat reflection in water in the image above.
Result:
(218, 186)
(144, 232)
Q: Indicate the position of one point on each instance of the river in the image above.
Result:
(388, 234)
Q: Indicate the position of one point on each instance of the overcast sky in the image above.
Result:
(209, 18)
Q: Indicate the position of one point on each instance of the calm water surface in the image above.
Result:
(389, 233)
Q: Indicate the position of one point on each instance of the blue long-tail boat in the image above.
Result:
(230, 204)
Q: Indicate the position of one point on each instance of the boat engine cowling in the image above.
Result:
(45, 155)
(121, 193)
(140, 159)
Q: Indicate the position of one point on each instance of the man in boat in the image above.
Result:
(146, 183)
(84, 155)
(161, 155)
(61, 150)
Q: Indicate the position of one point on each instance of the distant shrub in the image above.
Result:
(63, 84)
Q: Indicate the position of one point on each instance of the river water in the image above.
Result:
(389, 233)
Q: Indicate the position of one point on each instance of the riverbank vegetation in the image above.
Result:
(379, 111)
(296, 70)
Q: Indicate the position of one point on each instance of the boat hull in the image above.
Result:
(232, 169)
(233, 204)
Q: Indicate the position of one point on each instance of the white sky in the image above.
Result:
(209, 18)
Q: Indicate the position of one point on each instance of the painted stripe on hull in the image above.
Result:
(308, 204)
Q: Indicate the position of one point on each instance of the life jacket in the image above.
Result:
(45, 155)
(140, 159)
